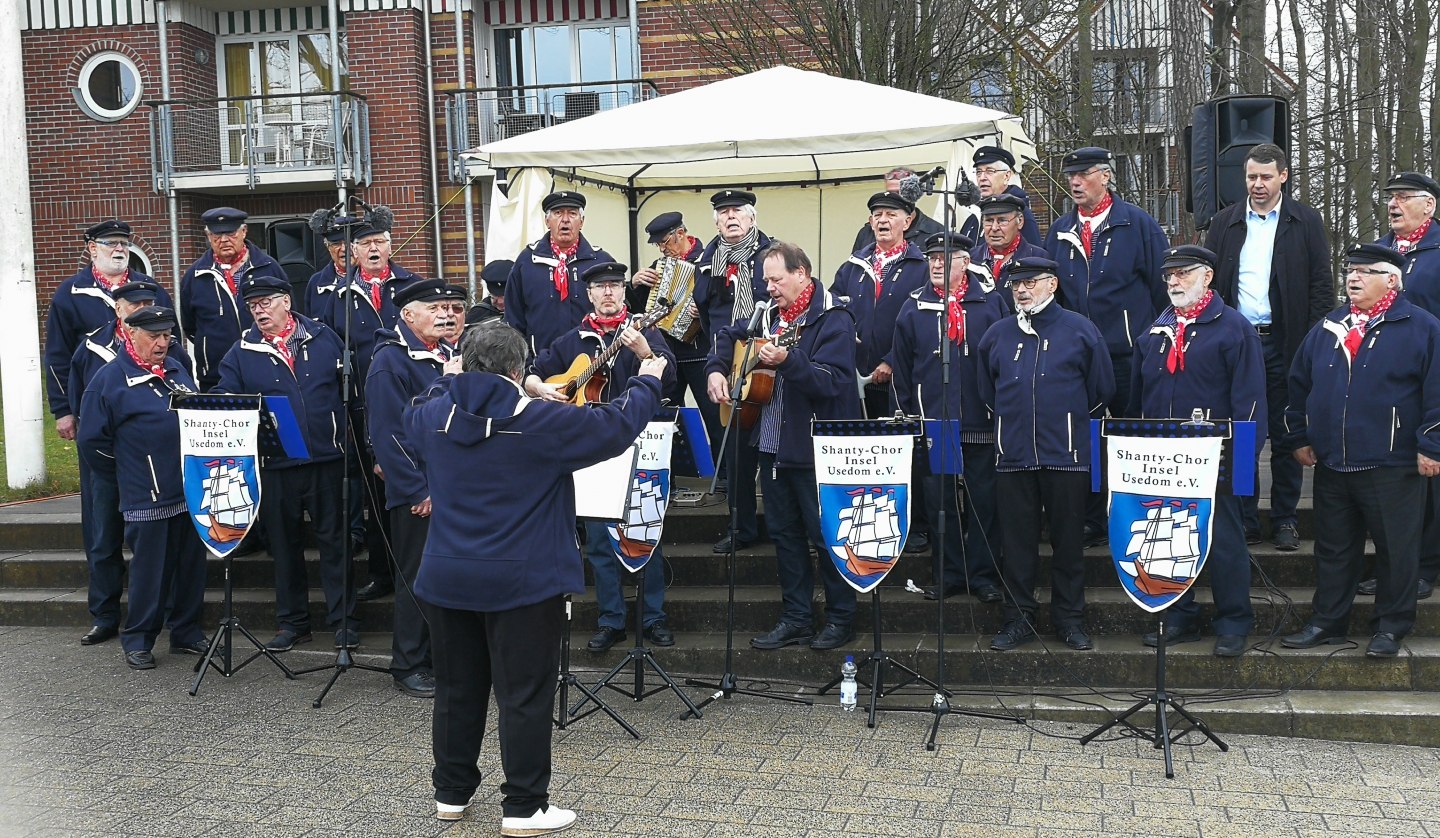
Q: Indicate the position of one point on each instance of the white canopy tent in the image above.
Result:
(810, 145)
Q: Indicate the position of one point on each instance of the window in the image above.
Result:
(1126, 89)
(286, 127)
(109, 86)
(140, 261)
(988, 88)
(585, 55)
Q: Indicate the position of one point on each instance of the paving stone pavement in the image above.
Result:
(89, 748)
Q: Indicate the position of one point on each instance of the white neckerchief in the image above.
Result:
(1024, 317)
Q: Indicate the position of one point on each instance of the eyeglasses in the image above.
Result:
(990, 170)
(1176, 273)
(454, 308)
(1356, 269)
(608, 286)
(233, 234)
(1086, 173)
(263, 302)
(113, 244)
(1398, 197)
(897, 174)
(1030, 281)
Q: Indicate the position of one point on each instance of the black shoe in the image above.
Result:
(347, 639)
(1311, 636)
(1424, 590)
(1367, 587)
(1253, 536)
(604, 639)
(1014, 634)
(357, 547)
(1096, 537)
(943, 591)
(140, 659)
(783, 635)
(1076, 638)
(989, 593)
(832, 637)
(918, 542)
(1173, 634)
(194, 647)
(1287, 538)
(420, 685)
(1230, 645)
(376, 589)
(1383, 645)
(660, 634)
(285, 640)
(723, 545)
(98, 634)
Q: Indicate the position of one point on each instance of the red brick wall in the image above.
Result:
(671, 57)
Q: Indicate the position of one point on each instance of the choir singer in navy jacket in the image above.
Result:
(501, 557)
(1365, 412)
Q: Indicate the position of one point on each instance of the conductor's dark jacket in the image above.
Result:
(499, 466)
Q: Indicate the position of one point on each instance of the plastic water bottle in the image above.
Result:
(848, 686)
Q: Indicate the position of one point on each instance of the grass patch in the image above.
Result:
(62, 468)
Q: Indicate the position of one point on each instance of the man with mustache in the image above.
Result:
(608, 323)
(1001, 221)
(1365, 413)
(1273, 266)
(1044, 374)
(407, 360)
(1108, 252)
(1204, 355)
(544, 298)
(729, 281)
(291, 355)
(994, 173)
(211, 314)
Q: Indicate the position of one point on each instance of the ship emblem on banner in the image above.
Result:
(1162, 497)
(864, 488)
(636, 536)
(221, 471)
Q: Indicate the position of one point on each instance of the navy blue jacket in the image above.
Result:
(100, 348)
(916, 386)
(714, 298)
(500, 544)
(78, 308)
(211, 316)
(980, 258)
(1044, 388)
(583, 340)
(1224, 373)
(818, 375)
(638, 298)
(532, 304)
(128, 431)
(365, 322)
(1119, 288)
(922, 228)
(319, 291)
(401, 370)
(313, 387)
(1029, 230)
(854, 287)
(1422, 269)
(1382, 408)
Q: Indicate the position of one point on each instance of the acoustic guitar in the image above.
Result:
(586, 377)
(759, 379)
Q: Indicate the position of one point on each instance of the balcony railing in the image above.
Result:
(261, 141)
(479, 115)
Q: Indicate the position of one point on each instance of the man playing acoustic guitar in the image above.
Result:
(596, 335)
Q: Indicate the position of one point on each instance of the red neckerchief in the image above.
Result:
(561, 274)
(605, 325)
(281, 342)
(999, 257)
(792, 312)
(1365, 319)
(955, 313)
(731, 271)
(1404, 243)
(1085, 217)
(880, 258)
(111, 284)
(158, 369)
(1183, 317)
(376, 283)
(229, 270)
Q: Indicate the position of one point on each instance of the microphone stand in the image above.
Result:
(727, 687)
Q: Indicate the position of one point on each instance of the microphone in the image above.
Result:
(756, 318)
(361, 201)
(914, 186)
(933, 173)
(967, 194)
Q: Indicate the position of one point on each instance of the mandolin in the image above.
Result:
(759, 386)
(586, 378)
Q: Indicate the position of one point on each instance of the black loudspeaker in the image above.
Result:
(1221, 134)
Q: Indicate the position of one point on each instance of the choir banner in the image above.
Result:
(864, 487)
(638, 532)
(1162, 490)
(219, 452)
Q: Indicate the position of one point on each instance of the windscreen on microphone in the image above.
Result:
(910, 188)
(967, 194)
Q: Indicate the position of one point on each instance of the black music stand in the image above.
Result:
(278, 436)
(564, 715)
(1238, 447)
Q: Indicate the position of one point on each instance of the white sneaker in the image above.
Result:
(545, 821)
(450, 811)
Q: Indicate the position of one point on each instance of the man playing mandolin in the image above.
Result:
(606, 334)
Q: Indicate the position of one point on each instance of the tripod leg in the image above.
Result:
(1201, 726)
(1123, 718)
(320, 699)
(1162, 734)
(670, 683)
(877, 686)
(265, 650)
(221, 635)
(592, 695)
